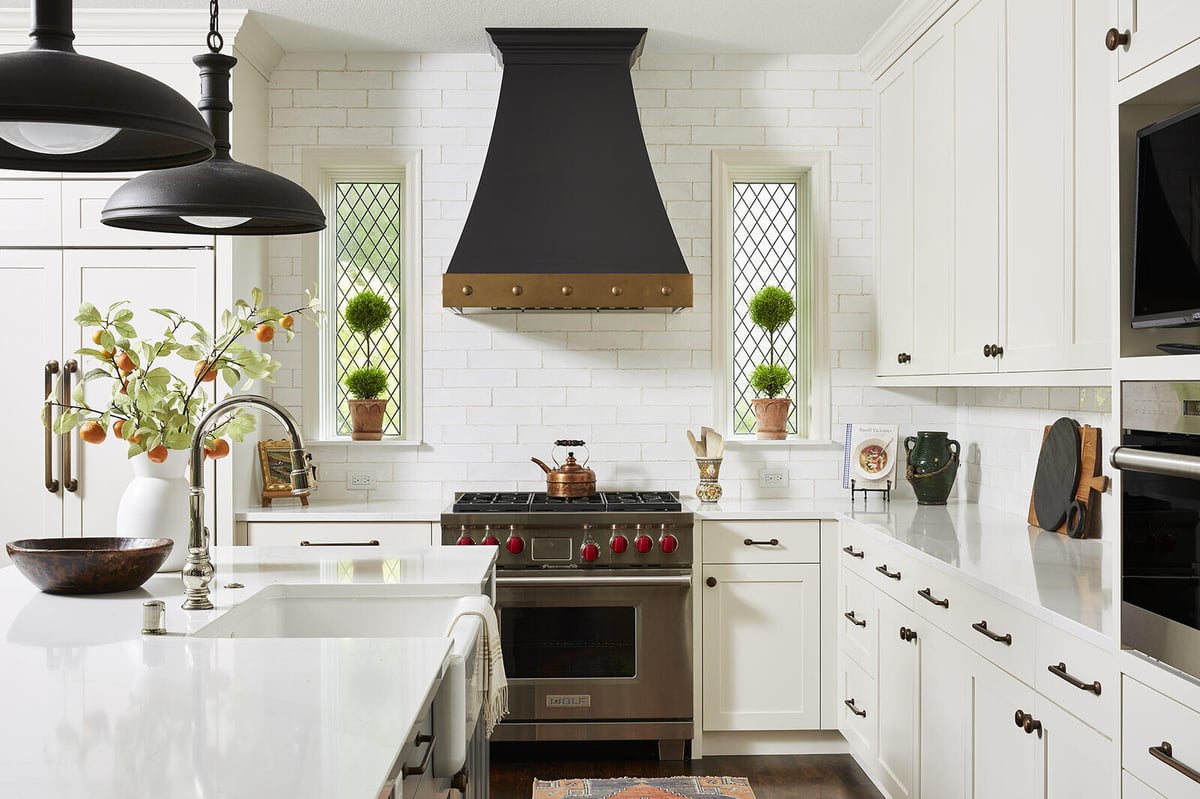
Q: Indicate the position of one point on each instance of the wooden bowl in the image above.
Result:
(88, 565)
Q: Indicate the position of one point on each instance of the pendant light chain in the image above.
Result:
(215, 40)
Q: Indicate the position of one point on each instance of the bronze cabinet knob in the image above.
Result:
(711, 582)
(1115, 38)
(517, 291)
(567, 291)
(903, 357)
(666, 291)
(617, 291)
(468, 291)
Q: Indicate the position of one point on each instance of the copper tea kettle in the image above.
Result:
(571, 479)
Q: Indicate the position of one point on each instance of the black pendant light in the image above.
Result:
(220, 195)
(65, 112)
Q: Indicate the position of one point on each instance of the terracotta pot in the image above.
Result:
(771, 417)
(366, 419)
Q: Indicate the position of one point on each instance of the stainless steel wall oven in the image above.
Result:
(1159, 458)
(595, 611)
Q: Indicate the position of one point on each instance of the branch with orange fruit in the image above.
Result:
(150, 407)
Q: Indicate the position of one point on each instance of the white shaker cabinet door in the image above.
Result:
(944, 722)
(895, 350)
(1079, 760)
(1157, 28)
(899, 701)
(182, 280)
(1006, 761)
(31, 283)
(762, 646)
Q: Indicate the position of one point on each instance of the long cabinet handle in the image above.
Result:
(854, 708)
(1164, 754)
(849, 550)
(412, 771)
(857, 622)
(750, 542)
(927, 594)
(1060, 671)
(69, 483)
(371, 543)
(981, 626)
(884, 571)
(48, 422)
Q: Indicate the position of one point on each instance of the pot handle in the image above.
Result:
(573, 442)
(908, 444)
(953, 445)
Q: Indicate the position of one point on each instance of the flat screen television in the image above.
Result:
(1166, 236)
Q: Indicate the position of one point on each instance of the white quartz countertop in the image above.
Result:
(1064, 581)
(93, 708)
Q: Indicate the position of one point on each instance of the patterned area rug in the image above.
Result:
(645, 788)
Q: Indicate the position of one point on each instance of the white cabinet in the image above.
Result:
(338, 533)
(760, 598)
(993, 138)
(1006, 760)
(898, 679)
(1157, 28)
(1160, 739)
(45, 288)
(942, 724)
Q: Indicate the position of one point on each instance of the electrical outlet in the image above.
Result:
(360, 480)
(772, 477)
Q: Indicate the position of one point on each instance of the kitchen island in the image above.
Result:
(94, 707)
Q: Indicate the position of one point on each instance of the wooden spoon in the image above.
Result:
(699, 453)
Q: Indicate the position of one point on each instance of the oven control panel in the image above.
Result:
(615, 545)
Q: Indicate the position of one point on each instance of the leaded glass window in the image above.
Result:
(367, 235)
(765, 249)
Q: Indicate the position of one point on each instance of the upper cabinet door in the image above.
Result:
(82, 202)
(894, 263)
(1157, 28)
(29, 213)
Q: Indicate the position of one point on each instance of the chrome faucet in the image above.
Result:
(198, 569)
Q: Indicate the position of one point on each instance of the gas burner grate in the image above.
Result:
(492, 502)
(544, 503)
(641, 501)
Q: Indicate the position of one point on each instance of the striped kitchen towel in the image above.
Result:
(495, 703)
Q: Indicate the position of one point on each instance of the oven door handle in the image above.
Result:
(593, 578)
(1136, 459)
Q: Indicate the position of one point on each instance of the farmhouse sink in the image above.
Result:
(378, 611)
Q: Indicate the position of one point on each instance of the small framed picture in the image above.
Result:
(275, 460)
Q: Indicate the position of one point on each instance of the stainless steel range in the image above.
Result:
(594, 601)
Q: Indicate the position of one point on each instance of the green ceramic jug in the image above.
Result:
(932, 466)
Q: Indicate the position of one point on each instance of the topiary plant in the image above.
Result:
(771, 308)
(365, 313)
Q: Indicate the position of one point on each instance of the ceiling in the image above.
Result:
(456, 26)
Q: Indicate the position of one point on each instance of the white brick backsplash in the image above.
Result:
(500, 388)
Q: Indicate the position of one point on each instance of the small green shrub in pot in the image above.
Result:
(366, 313)
(771, 308)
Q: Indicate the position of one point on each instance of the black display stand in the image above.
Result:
(887, 492)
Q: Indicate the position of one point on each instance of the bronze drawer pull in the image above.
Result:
(1163, 753)
(51, 368)
(884, 571)
(750, 542)
(854, 708)
(857, 622)
(927, 594)
(908, 635)
(68, 482)
(849, 550)
(371, 543)
(1115, 38)
(982, 627)
(1061, 671)
(412, 771)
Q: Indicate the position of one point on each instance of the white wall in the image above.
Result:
(502, 388)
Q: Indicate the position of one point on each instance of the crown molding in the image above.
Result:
(159, 27)
(898, 33)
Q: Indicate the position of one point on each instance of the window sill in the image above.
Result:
(386, 442)
(749, 442)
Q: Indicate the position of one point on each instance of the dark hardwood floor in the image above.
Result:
(516, 765)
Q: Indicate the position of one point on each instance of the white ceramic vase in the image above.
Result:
(155, 505)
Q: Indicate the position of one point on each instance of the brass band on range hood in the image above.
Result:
(538, 291)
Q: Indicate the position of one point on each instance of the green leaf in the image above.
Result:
(94, 374)
(230, 376)
(191, 352)
(123, 315)
(177, 439)
(256, 296)
(67, 422)
(88, 315)
(124, 328)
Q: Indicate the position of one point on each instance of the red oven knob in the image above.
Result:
(589, 552)
(515, 544)
(643, 544)
(490, 540)
(464, 541)
(618, 543)
(668, 543)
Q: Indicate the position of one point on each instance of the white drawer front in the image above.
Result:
(1133, 788)
(858, 719)
(1009, 638)
(941, 600)
(1150, 719)
(856, 546)
(1094, 668)
(762, 542)
(856, 622)
(893, 573)
(316, 533)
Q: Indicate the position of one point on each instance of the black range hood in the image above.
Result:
(567, 214)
